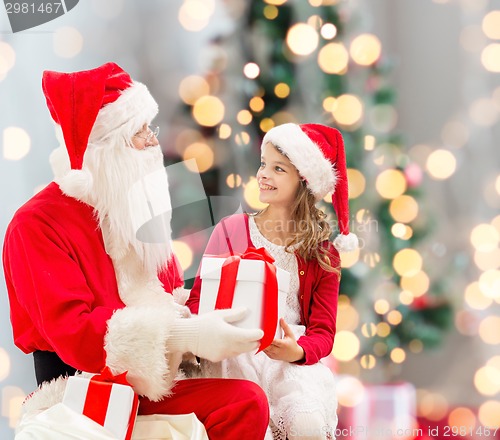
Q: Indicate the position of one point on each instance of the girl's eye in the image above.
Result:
(279, 169)
(262, 164)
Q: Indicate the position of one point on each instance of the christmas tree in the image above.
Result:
(308, 62)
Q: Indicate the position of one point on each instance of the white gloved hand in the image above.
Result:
(211, 335)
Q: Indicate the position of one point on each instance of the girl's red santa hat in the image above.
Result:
(318, 153)
(92, 106)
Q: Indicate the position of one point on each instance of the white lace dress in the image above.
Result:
(290, 388)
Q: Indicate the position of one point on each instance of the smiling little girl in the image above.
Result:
(300, 164)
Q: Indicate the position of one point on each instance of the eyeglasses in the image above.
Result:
(153, 131)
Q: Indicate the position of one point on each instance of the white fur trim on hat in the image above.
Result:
(76, 184)
(306, 156)
(346, 243)
(134, 107)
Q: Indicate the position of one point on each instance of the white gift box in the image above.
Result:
(382, 411)
(248, 291)
(118, 412)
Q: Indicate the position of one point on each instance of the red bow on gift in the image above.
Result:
(227, 285)
(98, 394)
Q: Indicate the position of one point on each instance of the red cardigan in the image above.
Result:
(318, 288)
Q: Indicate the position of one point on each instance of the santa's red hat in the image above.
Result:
(317, 151)
(90, 105)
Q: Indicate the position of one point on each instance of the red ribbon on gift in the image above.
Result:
(97, 399)
(225, 294)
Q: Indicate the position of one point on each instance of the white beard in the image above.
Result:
(115, 171)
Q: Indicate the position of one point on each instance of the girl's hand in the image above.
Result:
(285, 349)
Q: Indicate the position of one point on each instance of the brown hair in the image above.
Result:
(313, 230)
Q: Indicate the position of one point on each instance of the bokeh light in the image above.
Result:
(417, 284)
(489, 330)
(333, 58)
(208, 111)
(4, 364)
(347, 317)
(183, 253)
(390, 184)
(489, 283)
(381, 306)
(266, 124)
(484, 112)
(348, 110)
(194, 15)
(328, 103)
(398, 355)
(275, 2)
(432, 406)
(233, 180)
(461, 417)
(485, 237)
(383, 330)
(225, 131)
(488, 414)
(394, 317)
(441, 164)
(256, 104)
(12, 398)
(369, 142)
(302, 39)
(350, 391)
(416, 346)
(251, 70)
(271, 12)
(472, 38)
(407, 262)
(357, 183)
(487, 260)
(349, 259)
(487, 380)
(346, 346)
(251, 194)
(402, 231)
(67, 42)
(475, 298)
(16, 143)
(282, 90)
(192, 88)
(365, 49)
(244, 117)
(368, 329)
(368, 361)
(203, 155)
(491, 25)
(242, 138)
(490, 57)
(404, 209)
(328, 31)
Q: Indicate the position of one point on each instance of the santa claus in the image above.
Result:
(85, 292)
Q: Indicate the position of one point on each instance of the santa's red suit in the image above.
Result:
(80, 296)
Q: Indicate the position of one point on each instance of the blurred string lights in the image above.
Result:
(410, 306)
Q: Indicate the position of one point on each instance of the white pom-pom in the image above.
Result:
(346, 243)
(76, 184)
